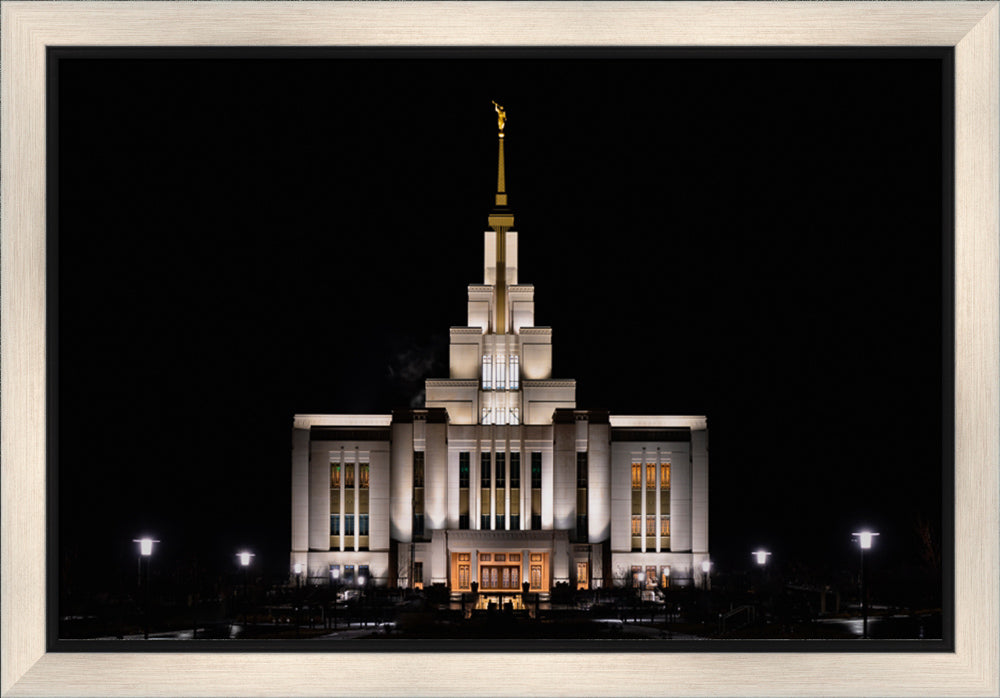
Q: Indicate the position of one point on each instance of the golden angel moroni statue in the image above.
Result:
(501, 116)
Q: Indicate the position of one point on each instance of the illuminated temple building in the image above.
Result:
(500, 479)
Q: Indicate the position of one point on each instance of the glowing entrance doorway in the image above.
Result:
(500, 572)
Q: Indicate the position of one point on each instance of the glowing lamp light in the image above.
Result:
(865, 539)
(244, 558)
(361, 581)
(297, 568)
(706, 566)
(761, 556)
(145, 546)
(335, 573)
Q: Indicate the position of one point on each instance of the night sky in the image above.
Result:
(754, 239)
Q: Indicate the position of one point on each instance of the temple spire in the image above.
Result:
(501, 220)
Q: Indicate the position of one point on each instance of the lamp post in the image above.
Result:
(145, 552)
(297, 570)
(245, 558)
(706, 568)
(335, 580)
(864, 543)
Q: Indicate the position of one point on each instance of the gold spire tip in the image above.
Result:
(501, 117)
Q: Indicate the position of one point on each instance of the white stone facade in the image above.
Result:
(500, 480)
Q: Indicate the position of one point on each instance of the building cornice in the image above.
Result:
(693, 422)
(535, 332)
(306, 421)
(567, 383)
(451, 383)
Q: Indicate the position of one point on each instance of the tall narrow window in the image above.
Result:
(484, 470)
(651, 476)
(485, 497)
(487, 372)
(335, 493)
(501, 470)
(637, 505)
(349, 475)
(515, 470)
(418, 494)
(463, 469)
(536, 491)
(463, 490)
(582, 533)
(514, 372)
(363, 494)
(418, 469)
(665, 476)
(501, 373)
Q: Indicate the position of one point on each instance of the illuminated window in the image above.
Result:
(636, 525)
(363, 474)
(651, 477)
(650, 525)
(514, 371)
(637, 476)
(349, 475)
(665, 476)
(363, 524)
(514, 557)
(335, 475)
(501, 373)
(463, 576)
(665, 526)
(334, 524)
(515, 470)
(487, 373)
(349, 525)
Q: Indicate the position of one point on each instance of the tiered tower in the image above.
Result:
(500, 363)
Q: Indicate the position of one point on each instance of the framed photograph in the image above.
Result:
(210, 135)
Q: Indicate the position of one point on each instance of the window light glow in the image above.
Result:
(487, 373)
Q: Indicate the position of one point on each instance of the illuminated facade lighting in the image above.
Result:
(500, 479)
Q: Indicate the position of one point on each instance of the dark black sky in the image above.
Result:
(757, 240)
